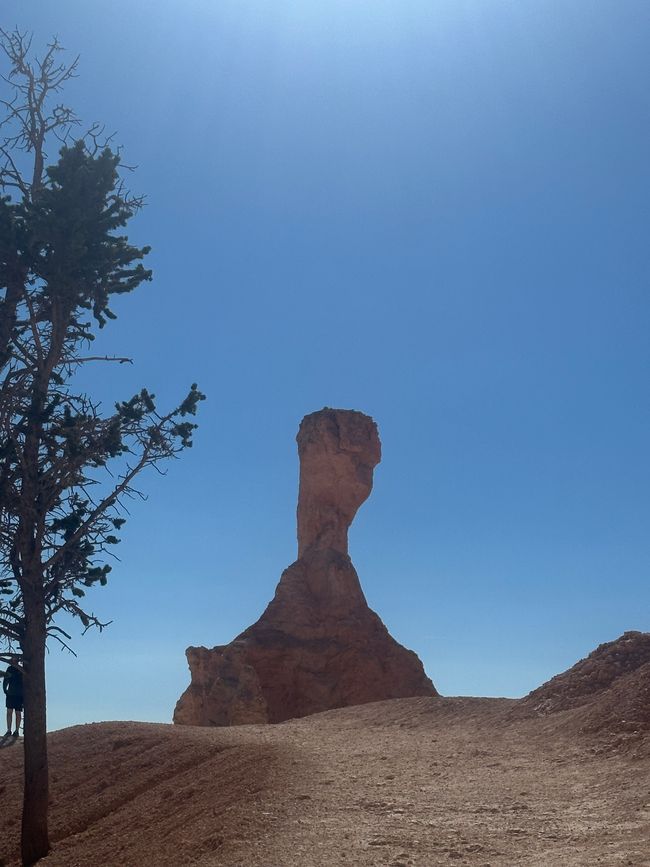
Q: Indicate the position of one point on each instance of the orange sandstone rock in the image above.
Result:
(338, 450)
(318, 645)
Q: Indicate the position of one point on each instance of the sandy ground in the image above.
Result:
(418, 782)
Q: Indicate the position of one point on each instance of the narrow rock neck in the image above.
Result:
(321, 526)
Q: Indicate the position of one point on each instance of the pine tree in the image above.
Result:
(62, 260)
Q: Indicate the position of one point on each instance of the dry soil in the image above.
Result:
(418, 782)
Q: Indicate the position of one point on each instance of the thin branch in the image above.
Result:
(64, 644)
(9, 629)
(120, 359)
(106, 503)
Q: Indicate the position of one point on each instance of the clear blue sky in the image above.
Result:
(433, 211)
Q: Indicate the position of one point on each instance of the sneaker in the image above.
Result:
(16, 733)
(7, 733)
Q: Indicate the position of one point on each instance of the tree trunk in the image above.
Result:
(35, 842)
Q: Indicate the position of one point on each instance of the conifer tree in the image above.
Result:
(65, 466)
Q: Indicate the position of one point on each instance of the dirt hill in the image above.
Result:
(609, 690)
(404, 783)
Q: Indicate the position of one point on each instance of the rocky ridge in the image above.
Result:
(609, 690)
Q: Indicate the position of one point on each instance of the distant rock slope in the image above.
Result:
(318, 645)
(611, 688)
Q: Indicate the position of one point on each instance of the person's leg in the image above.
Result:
(8, 720)
(18, 718)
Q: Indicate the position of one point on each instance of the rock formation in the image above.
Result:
(607, 692)
(318, 645)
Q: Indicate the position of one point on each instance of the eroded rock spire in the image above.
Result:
(338, 450)
(318, 645)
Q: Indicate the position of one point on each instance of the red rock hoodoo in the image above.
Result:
(318, 645)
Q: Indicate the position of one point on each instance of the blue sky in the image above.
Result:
(433, 212)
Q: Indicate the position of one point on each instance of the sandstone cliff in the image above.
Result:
(318, 645)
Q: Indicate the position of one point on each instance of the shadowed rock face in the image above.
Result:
(318, 645)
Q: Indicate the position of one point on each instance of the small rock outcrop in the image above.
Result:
(318, 645)
(608, 692)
